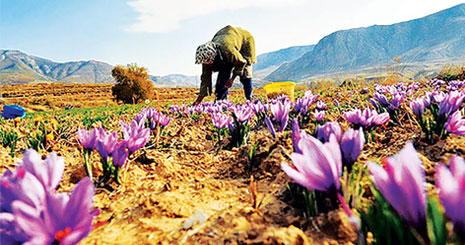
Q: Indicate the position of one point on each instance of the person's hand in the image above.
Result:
(229, 83)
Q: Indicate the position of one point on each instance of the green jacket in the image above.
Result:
(237, 48)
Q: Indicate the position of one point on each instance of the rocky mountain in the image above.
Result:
(176, 80)
(268, 62)
(433, 38)
(18, 67)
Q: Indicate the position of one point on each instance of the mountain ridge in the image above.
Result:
(429, 38)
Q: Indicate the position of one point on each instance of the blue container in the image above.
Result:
(13, 111)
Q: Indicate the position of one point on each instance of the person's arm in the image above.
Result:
(205, 84)
(206, 81)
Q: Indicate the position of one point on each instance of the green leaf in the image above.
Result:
(436, 222)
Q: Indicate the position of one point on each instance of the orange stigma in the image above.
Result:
(60, 235)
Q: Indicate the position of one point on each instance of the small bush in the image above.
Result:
(132, 84)
(452, 72)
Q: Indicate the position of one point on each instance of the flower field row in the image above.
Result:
(377, 153)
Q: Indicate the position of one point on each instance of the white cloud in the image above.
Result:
(157, 16)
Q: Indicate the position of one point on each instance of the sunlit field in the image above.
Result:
(358, 162)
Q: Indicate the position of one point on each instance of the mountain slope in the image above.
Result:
(18, 67)
(434, 37)
(268, 62)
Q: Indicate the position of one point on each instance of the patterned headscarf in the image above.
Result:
(206, 53)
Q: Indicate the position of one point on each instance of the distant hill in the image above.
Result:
(18, 67)
(436, 37)
(268, 62)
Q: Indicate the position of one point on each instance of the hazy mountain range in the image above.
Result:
(420, 45)
(436, 37)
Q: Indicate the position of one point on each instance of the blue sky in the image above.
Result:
(162, 35)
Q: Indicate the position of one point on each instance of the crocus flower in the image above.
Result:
(451, 186)
(353, 116)
(280, 113)
(336, 103)
(379, 119)
(88, 139)
(257, 107)
(374, 103)
(174, 109)
(270, 126)
(49, 172)
(403, 184)
(456, 124)
(20, 185)
(318, 167)
(221, 120)
(397, 99)
(351, 145)
(135, 135)
(161, 120)
(381, 98)
(120, 154)
(451, 103)
(295, 134)
(319, 115)
(323, 132)
(64, 220)
(438, 97)
(106, 143)
(242, 113)
(320, 105)
(418, 108)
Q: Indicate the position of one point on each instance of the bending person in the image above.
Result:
(231, 53)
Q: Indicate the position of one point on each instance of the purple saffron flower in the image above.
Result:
(397, 99)
(456, 124)
(243, 113)
(280, 112)
(221, 120)
(295, 135)
(270, 126)
(374, 103)
(379, 119)
(257, 107)
(336, 103)
(319, 115)
(174, 109)
(88, 139)
(149, 113)
(323, 132)
(48, 172)
(381, 98)
(451, 186)
(318, 167)
(403, 184)
(353, 116)
(450, 103)
(320, 105)
(438, 97)
(163, 120)
(106, 143)
(120, 154)
(418, 108)
(135, 136)
(20, 185)
(54, 224)
(351, 145)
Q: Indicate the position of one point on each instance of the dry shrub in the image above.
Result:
(132, 84)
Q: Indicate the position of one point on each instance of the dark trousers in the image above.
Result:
(224, 74)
